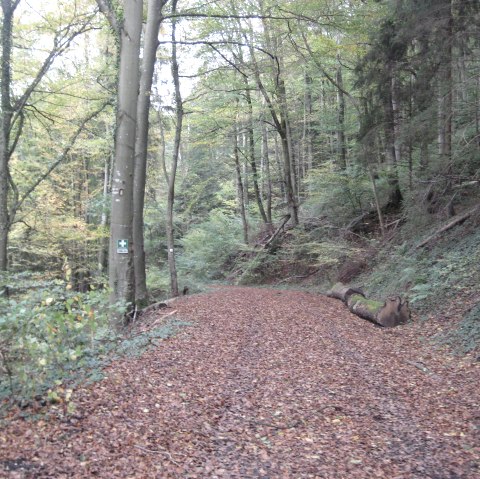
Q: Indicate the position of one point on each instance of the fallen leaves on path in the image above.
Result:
(265, 384)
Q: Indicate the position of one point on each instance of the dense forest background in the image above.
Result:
(265, 141)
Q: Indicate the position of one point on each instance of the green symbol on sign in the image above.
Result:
(122, 246)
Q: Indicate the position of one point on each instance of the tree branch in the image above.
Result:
(218, 42)
(58, 161)
(324, 72)
(61, 43)
(106, 7)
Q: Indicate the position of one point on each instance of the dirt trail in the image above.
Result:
(266, 384)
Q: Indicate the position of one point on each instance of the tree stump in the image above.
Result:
(392, 312)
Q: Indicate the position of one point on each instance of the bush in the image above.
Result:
(46, 333)
(208, 246)
(340, 195)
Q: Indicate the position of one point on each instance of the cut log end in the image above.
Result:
(394, 312)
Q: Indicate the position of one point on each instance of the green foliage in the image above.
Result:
(431, 279)
(317, 248)
(339, 195)
(51, 336)
(466, 337)
(136, 345)
(297, 254)
(257, 267)
(47, 332)
(208, 246)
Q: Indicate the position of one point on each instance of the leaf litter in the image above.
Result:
(265, 384)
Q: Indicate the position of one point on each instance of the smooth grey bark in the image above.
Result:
(391, 142)
(170, 178)
(280, 123)
(103, 251)
(150, 45)
(121, 267)
(266, 165)
(280, 118)
(238, 173)
(251, 152)
(251, 140)
(307, 153)
(278, 162)
(377, 203)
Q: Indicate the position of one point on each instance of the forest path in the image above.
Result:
(266, 384)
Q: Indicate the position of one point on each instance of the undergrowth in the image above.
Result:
(50, 336)
(466, 336)
(427, 274)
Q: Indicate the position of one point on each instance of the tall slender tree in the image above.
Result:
(121, 264)
(150, 45)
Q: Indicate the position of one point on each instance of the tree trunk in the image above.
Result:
(103, 251)
(251, 152)
(280, 123)
(377, 204)
(266, 163)
(241, 199)
(278, 162)
(445, 103)
(391, 149)
(287, 172)
(141, 145)
(121, 272)
(5, 124)
(12, 114)
(341, 145)
(307, 125)
(176, 153)
(288, 152)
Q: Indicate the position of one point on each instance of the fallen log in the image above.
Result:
(343, 293)
(392, 312)
(277, 231)
(457, 221)
(156, 306)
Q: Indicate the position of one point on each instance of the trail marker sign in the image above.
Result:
(122, 246)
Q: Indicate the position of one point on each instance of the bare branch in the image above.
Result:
(61, 44)
(219, 42)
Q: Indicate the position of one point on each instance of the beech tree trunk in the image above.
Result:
(121, 267)
(251, 152)
(141, 144)
(103, 251)
(266, 164)
(391, 142)
(307, 126)
(280, 124)
(176, 153)
(241, 199)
